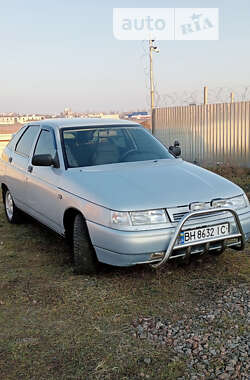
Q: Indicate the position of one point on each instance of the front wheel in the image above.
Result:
(85, 260)
(12, 212)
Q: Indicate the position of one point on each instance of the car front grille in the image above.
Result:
(176, 217)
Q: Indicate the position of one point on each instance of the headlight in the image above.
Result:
(120, 218)
(197, 206)
(220, 203)
(247, 200)
(236, 202)
(148, 217)
(139, 218)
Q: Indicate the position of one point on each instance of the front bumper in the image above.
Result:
(123, 248)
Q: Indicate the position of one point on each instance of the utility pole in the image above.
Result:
(205, 95)
(152, 49)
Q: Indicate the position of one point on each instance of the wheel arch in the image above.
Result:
(68, 221)
(4, 188)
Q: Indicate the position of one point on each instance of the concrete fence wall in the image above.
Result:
(209, 134)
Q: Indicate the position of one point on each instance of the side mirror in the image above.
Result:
(176, 149)
(45, 160)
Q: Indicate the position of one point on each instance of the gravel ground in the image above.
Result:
(214, 342)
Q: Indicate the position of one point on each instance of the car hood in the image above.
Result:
(147, 185)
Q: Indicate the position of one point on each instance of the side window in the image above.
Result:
(45, 144)
(14, 139)
(26, 142)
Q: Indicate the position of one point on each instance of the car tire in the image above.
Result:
(85, 260)
(13, 214)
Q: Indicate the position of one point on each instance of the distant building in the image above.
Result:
(111, 116)
(68, 113)
(8, 120)
(12, 119)
(26, 118)
(138, 115)
(104, 116)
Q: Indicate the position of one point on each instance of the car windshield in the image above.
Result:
(110, 145)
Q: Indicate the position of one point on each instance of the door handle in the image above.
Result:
(10, 160)
(30, 169)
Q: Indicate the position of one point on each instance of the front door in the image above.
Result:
(42, 185)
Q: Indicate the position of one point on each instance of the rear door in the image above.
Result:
(17, 166)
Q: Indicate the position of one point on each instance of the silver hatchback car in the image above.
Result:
(118, 195)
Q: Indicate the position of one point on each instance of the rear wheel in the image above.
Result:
(85, 260)
(13, 213)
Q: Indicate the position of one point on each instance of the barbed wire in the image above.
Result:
(214, 95)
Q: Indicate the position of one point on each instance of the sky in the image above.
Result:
(62, 53)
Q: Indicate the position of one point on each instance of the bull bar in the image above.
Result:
(207, 242)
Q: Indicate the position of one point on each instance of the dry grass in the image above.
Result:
(55, 325)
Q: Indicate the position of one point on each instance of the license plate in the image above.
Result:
(204, 233)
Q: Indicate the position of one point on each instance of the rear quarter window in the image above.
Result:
(26, 142)
(14, 139)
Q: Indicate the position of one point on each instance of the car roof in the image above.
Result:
(83, 122)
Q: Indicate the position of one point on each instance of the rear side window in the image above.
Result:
(27, 140)
(14, 139)
(45, 144)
